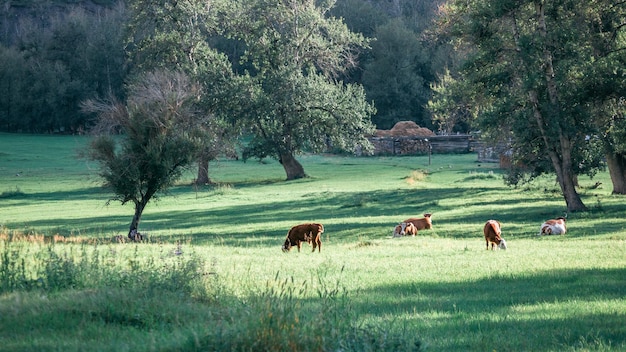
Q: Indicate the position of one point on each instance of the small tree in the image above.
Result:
(155, 141)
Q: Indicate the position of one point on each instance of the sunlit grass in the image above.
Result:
(441, 289)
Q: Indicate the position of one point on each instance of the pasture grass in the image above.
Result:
(212, 276)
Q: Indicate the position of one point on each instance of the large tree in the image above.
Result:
(175, 34)
(143, 146)
(524, 61)
(295, 102)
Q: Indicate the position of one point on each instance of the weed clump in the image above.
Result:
(16, 193)
(416, 176)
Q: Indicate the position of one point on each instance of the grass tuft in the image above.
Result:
(11, 194)
(416, 176)
(473, 176)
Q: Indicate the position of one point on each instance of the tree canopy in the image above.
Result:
(296, 52)
(176, 35)
(524, 66)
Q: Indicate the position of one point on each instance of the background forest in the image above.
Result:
(56, 54)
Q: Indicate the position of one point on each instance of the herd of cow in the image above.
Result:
(312, 232)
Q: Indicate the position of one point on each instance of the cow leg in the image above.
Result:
(299, 246)
(317, 243)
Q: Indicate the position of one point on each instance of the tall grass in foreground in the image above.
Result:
(31, 264)
(164, 298)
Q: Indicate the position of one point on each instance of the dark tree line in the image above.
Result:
(51, 60)
(52, 57)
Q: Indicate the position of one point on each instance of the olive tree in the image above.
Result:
(143, 146)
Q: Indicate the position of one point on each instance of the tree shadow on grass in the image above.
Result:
(509, 313)
(355, 214)
(75, 194)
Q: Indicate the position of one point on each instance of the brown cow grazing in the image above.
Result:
(404, 229)
(553, 227)
(492, 233)
(421, 223)
(310, 232)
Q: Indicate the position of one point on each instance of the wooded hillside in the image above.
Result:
(56, 54)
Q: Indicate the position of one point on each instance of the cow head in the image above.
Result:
(502, 244)
(399, 230)
(287, 246)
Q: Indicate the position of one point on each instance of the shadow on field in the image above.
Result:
(517, 307)
(356, 214)
(338, 211)
(76, 194)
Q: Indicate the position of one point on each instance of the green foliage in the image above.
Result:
(394, 77)
(77, 50)
(525, 73)
(451, 106)
(164, 35)
(157, 140)
(50, 70)
(296, 104)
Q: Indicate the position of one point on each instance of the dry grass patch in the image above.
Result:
(416, 176)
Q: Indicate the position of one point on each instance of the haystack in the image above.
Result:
(405, 129)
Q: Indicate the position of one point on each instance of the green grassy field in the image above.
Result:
(439, 291)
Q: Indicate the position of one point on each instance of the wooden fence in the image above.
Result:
(421, 145)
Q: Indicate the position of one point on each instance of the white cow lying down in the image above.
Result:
(553, 227)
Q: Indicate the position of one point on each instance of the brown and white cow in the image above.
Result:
(398, 230)
(553, 227)
(493, 235)
(410, 229)
(310, 233)
(404, 229)
(421, 223)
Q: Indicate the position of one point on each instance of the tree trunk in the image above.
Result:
(560, 154)
(133, 234)
(568, 187)
(292, 167)
(617, 169)
(561, 160)
(203, 171)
